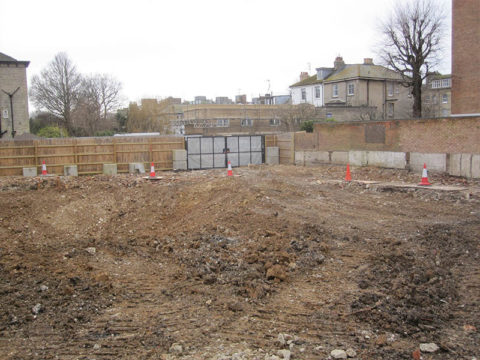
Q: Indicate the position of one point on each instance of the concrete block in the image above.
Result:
(316, 157)
(136, 168)
(300, 158)
(180, 164)
(110, 169)
(179, 155)
(30, 171)
(357, 158)
(272, 155)
(455, 164)
(387, 159)
(435, 162)
(476, 166)
(466, 165)
(340, 157)
(70, 170)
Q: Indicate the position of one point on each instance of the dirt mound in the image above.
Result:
(201, 266)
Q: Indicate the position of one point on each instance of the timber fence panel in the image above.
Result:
(286, 145)
(89, 154)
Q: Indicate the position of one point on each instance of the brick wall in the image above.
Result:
(465, 57)
(444, 135)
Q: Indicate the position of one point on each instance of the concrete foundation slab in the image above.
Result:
(136, 168)
(466, 165)
(340, 157)
(180, 164)
(316, 157)
(179, 155)
(70, 170)
(30, 171)
(387, 159)
(455, 164)
(435, 162)
(476, 166)
(300, 158)
(357, 158)
(110, 169)
(272, 155)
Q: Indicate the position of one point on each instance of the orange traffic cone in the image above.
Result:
(348, 176)
(229, 172)
(44, 168)
(425, 177)
(152, 170)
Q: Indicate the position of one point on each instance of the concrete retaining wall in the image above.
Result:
(435, 162)
(466, 165)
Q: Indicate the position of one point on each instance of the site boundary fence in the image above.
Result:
(89, 154)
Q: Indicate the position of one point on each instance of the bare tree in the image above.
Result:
(292, 116)
(99, 98)
(412, 43)
(57, 89)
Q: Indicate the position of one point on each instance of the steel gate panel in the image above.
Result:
(214, 151)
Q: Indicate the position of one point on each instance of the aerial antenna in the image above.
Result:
(268, 81)
(10, 95)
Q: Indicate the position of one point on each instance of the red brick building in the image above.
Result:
(465, 57)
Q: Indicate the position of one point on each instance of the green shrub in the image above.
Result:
(52, 132)
(307, 126)
(104, 133)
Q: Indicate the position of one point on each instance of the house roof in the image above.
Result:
(311, 80)
(9, 60)
(353, 71)
(350, 71)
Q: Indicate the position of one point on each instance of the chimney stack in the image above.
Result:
(367, 61)
(303, 76)
(338, 63)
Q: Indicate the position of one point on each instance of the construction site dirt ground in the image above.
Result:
(275, 262)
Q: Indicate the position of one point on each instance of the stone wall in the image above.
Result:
(13, 76)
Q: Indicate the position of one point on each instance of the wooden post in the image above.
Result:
(150, 150)
(293, 147)
(114, 151)
(35, 153)
(75, 156)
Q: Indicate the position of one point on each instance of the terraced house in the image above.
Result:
(354, 92)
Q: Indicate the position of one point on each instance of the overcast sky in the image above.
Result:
(185, 48)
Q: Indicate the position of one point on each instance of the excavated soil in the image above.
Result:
(198, 265)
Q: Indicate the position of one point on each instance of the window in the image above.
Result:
(335, 90)
(317, 92)
(437, 84)
(445, 98)
(390, 109)
(390, 89)
(434, 99)
(304, 94)
(351, 89)
(274, 122)
(223, 122)
(427, 99)
(444, 112)
(247, 122)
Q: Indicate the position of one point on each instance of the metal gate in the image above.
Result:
(208, 152)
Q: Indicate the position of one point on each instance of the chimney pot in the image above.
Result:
(368, 61)
(338, 63)
(303, 76)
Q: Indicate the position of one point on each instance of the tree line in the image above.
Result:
(77, 104)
